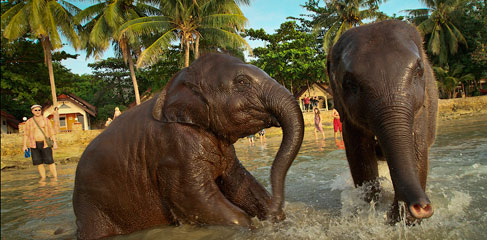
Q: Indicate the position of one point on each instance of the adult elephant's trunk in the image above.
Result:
(282, 105)
(395, 135)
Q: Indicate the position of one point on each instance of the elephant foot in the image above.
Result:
(371, 191)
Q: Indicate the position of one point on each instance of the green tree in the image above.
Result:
(25, 78)
(337, 16)
(292, 56)
(471, 18)
(186, 21)
(449, 79)
(43, 20)
(101, 24)
(438, 24)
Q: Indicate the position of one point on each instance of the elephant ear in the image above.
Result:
(159, 105)
(184, 101)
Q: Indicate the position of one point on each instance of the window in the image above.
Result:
(62, 121)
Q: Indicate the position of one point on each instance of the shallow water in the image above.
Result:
(321, 202)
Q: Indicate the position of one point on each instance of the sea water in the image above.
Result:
(321, 201)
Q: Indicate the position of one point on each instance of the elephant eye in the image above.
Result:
(419, 69)
(350, 85)
(242, 80)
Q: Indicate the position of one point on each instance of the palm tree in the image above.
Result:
(340, 15)
(102, 21)
(43, 20)
(187, 21)
(437, 21)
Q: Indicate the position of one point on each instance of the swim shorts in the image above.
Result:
(337, 124)
(41, 155)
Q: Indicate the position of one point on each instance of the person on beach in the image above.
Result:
(37, 130)
(107, 123)
(57, 125)
(307, 102)
(251, 139)
(262, 136)
(318, 125)
(337, 125)
(117, 113)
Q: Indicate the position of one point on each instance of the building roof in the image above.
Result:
(11, 120)
(321, 86)
(90, 109)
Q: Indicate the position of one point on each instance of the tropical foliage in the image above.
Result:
(448, 80)
(437, 22)
(337, 16)
(187, 21)
(292, 56)
(102, 23)
(42, 20)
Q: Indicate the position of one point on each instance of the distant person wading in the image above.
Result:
(39, 136)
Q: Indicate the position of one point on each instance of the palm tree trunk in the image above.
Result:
(197, 48)
(186, 53)
(134, 80)
(128, 57)
(307, 83)
(46, 45)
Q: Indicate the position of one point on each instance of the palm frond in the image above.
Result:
(443, 55)
(137, 28)
(113, 14)
(38, 18)
(451, 39)
(327, 38)
(71, 8)
(18, 23)
(89, 13)
(51, 26)
(100, 34)
(226, 38)
(64, 20)
(10, 13)
(434, 43)
(217, 20)
(151, 54)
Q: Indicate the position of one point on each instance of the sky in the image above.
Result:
(265, 14)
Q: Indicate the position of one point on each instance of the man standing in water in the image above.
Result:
(37, 129)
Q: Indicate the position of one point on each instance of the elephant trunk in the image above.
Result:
(394, 132)
(282, 105)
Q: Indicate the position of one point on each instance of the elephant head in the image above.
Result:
(380, 78)
(221, 94)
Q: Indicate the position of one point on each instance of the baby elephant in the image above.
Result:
(171, 160)
(386, 94)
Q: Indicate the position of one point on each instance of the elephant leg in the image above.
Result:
(96, 224)
(361, 156)
(243, 190)
(196, 198)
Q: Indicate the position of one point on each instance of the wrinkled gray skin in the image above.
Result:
(171, 160)
(384, 88)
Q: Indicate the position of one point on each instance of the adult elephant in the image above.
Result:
(171, 160)
(385, 92)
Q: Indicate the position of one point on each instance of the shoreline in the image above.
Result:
(72, 145)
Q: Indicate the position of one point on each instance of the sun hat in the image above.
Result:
(35, 106)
